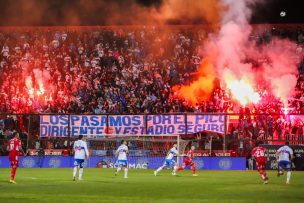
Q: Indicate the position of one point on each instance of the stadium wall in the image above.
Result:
(298, 162)
(203, 163)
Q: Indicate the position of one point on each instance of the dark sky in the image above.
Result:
(96, 12)
(270, 12)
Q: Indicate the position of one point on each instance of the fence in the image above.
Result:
(213, 133)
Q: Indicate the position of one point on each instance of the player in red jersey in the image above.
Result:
(259, 154)
(14, 148)
(188, 161)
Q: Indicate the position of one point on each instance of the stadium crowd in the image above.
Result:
(113, 71)
(125, 70)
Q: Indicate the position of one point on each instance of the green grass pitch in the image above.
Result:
(100, 185)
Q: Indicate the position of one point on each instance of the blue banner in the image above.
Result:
(95, 126)
(139, 162)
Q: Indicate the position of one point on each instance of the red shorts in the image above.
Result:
(261, 165)
(14, 159)
(188, 162)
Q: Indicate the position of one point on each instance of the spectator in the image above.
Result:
(41, 155)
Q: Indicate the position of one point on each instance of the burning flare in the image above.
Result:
(243, 92)
(201, 88)
(41, 90)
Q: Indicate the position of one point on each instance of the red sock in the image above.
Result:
(13, 173)
(193, 169)
(180, 168)
(263, 175)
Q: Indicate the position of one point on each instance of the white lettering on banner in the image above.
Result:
(131, 165)
(96, 125)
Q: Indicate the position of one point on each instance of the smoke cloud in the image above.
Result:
(201, 88)
(29, 83)
(104, 12)
(229, 49)
(282, 71)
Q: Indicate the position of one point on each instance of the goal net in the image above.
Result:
(145, 151)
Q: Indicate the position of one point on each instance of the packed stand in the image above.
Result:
(114, 71)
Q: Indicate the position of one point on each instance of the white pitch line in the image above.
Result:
(33, 178)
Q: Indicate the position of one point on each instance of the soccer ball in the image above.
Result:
(283, 14)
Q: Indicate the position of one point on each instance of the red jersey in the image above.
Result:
(190, 154)
(259, 153)
(188, 160)
(14, 146)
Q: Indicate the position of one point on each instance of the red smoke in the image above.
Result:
(201, 88)
(227, 51)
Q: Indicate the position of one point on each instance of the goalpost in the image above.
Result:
(145, 151)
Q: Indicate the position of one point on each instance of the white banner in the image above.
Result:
(208, 122)
(100, 125)
(127, 124)
(54, 125)
(166, 124)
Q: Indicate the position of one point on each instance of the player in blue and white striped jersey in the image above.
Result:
(284, 157)
(122, 160)
(80, 153)
(169, 161)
